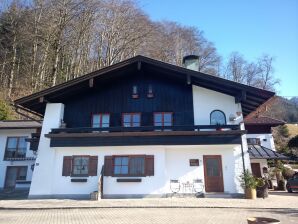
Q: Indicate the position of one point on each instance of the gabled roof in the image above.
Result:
(19, 124)
(261, 152)
(263, 120)
(250, 97)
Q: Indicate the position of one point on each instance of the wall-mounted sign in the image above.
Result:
(194, 162)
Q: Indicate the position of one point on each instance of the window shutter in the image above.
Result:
(93, 165)
(108, 166)
(67, 161)
(149, 165)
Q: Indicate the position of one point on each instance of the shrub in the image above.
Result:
(287, 173)
(248, 180)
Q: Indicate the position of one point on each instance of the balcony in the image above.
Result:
(16, 156)
(146, 135)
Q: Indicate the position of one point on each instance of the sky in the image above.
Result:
(251, 27)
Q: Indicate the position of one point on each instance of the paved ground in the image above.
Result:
(279, 205)
(144, 215)
(275, 200)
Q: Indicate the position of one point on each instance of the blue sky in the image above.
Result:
(251, 27)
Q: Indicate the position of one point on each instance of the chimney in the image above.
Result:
(191, 62)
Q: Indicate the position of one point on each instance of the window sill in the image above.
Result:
(81, 180)
(129, 180)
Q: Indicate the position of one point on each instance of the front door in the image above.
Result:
(213, 173)
(256, 169)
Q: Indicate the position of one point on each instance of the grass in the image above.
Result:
(293, 129)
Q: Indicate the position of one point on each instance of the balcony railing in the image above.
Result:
(194, 128)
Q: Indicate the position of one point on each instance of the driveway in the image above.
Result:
(144, 215)
(279, 205)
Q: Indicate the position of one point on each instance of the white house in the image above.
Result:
(140, 126)
(260, 141)
(16, 158)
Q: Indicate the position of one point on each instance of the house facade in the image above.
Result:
(260, 142)
(134, 128)
(16, 158)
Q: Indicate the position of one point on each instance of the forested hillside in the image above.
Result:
(46, 42)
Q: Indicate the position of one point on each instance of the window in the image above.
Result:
(131, 119)
(150, 91)
(129, 165)
(253, 141)
(135, 94)
(22, 173)
(16, 147)
(80, 166)
(217, 117)
(100, 120)
(163, 119)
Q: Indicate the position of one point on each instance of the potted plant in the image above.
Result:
(249, 184)
(262, 188)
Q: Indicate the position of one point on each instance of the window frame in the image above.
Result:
(218, 111)
(135, 94)
(100, 120)
(150, 92)
(129, 166)
(17, 146)
(131, 119)
(72, 165)
(258, 141)
(162, 119)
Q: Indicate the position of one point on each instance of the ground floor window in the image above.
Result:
(15, 173)
(129, 165)
(80, 166)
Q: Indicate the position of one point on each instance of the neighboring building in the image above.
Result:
(16, 158)
(260, 142)
(142, 124)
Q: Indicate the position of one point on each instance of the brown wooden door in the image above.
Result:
(256, 169)
(213, 173)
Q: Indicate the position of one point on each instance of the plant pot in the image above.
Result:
(250, 193)
(262, 192)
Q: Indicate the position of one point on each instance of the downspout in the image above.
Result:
(242, 154)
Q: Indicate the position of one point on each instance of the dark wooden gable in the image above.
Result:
(249, 97)
(114, 96)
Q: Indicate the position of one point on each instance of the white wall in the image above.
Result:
(171, 162)
(266, 140)
(4, 133)
(205, 101)
(42, 179)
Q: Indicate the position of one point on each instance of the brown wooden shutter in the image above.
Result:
(108, 166)
(149, 165)
(67, 161)
(93, 165)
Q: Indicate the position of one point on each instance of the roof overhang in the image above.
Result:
(261, 152)
(249, 97)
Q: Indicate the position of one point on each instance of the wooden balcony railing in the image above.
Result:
(194, 128)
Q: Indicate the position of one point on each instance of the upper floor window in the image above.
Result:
(135, 93)
(131, 119)
(253, 141)
(217, 117)
(150, 91)
(100, 120)
(129, 165)
(16, 147)
(163, 119)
